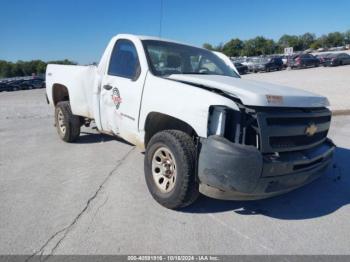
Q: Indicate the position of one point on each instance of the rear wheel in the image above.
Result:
(67, 124)
(170, 169)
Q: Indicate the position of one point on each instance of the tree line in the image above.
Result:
(22, 68)
(235, 47)
(264, 46)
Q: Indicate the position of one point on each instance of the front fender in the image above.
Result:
(179, 100)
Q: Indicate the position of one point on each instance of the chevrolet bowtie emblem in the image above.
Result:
(311, 129)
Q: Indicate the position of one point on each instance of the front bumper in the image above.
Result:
(228, 170)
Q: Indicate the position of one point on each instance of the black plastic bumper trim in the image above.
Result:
(236, 171)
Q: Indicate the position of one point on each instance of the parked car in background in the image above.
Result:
(242, 69)
(321, 49)
(323, 57)
(32, 84)
(25, 84)
(337, 48)
(304, 60)
(337, 59)
(15, 85)
(250, 62)
(285, 59)
(4, 87)
(309, 50)
(268, 64)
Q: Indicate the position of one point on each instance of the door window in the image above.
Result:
(124, 61)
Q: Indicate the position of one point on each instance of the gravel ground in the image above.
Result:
(91, 198)
(332, 82)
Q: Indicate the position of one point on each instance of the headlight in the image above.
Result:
(217, 119)
(236, 126)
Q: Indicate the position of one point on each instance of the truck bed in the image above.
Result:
(79, 80)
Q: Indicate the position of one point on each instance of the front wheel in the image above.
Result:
(170, 169)
(67, 124)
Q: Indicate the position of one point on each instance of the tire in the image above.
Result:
(67, 124)
(180, 188)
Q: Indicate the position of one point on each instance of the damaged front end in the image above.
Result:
(256, 153)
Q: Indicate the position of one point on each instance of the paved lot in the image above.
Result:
(91, 198)
(332, 82)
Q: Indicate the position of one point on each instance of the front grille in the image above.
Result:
(297, 120)
(296, 141)
(285, 130)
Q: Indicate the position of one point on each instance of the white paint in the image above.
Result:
(150, 93)
(227, 61)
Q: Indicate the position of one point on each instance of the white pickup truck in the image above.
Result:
(203, 128)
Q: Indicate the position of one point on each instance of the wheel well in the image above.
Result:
(59, 93)
(157, 122)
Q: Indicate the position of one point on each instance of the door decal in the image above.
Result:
(117, 100)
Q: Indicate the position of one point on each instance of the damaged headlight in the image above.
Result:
(236, 126)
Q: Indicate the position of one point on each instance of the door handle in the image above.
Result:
(107, 87)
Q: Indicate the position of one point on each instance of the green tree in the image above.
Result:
(306, 40)
(233, 48)
(16, 70)
(62, 62)
(335, 39)
(219, 47)
(320, 42)
(290, 41)
(40, 67)
(259, 46)
(5, 68)
(27, 68)
(346, 36)
(249, 48)
(208, 46)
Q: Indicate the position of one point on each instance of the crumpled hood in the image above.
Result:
(255, 93)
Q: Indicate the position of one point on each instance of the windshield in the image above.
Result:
(166, 58)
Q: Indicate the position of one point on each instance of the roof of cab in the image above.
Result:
(145, 37)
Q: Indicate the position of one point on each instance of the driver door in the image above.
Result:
(121, 90)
